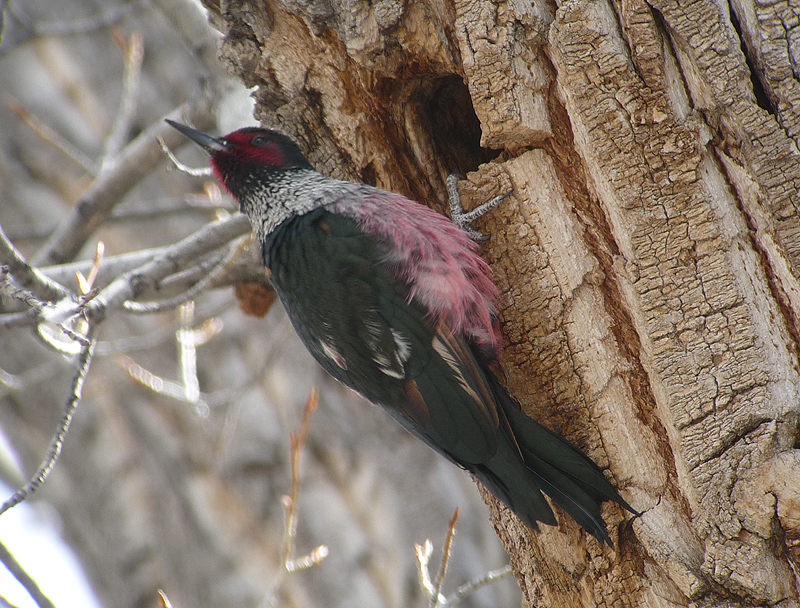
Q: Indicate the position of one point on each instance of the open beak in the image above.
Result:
(209, 143)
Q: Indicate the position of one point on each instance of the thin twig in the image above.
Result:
(163, 600)
(30, 585)
(133, 163)
(298, 441)
(157, 384)
(466, 589)
(434, 591)
(112, 268)
(243, 268)
(315, 557)
(86, 283)
(19, 294)
(133, 49)
(52, 137)
(18, 319)
(187, 353)
(423, 554)
(39, 311)
(188, 339)
(448, 544)
(27, 276)
(204, 283)
(133, 283)
(200, 172)
(189, 204)
(84, 361)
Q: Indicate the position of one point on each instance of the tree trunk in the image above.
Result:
(648, 258)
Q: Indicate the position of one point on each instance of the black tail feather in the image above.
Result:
(553, 465)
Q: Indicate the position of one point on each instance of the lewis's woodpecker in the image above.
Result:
(392, 300)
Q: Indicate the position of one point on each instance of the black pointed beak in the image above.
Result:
(210, 144)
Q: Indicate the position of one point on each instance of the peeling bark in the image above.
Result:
(649, 259)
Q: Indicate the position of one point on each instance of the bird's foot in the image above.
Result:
(462, 218)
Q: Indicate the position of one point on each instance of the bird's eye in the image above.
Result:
(260, 140)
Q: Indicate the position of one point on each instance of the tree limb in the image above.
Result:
(120, 174)
(28, 277)
(133, 283)
(71, 404)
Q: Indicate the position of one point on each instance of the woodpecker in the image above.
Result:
(393, 301)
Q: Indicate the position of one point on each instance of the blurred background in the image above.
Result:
(157, 487)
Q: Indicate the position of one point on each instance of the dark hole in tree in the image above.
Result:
(447, 114)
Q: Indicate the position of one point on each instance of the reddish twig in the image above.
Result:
(434, 590)
(290, 563)
(448, 544)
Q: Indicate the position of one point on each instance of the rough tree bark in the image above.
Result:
(649, 257)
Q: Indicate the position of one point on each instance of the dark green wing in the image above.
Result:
(358, 323)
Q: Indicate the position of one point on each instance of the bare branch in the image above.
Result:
(133, 49)
(188, 339)
(119, 175)
(434, 591)
(315, 557)
(84, 361)
(466, 589)
(38, 311)
(163, 386)
(247, 268)
(298, 441)
(18, 319)
(448, 544)
(187, 353)
(189, 204)
(208, 280)
(423, 554)
(85, 283)
(112, 267)
(133, 283)
(30, 585)
(19, 294)
(201, 172)
(27, 276)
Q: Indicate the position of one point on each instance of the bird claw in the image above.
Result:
(462, 218)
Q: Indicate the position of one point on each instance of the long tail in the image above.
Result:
(535, 460)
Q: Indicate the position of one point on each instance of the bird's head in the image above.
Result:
(248, 156)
